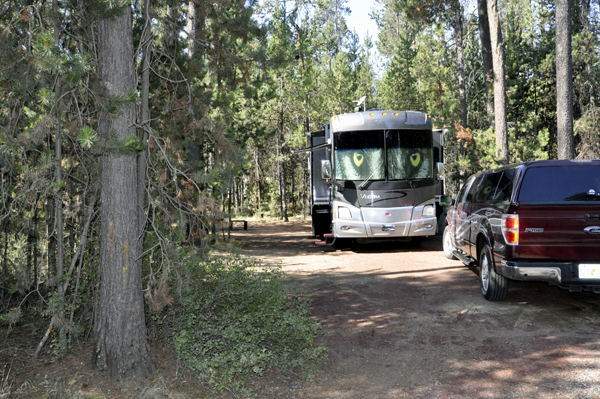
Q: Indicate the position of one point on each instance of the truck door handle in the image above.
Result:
(589, 217)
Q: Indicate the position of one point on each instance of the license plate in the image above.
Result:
(589, 271)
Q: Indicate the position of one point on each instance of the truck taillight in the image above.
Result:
(510, 229)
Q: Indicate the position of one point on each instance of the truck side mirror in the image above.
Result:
(440, 170)
(445, 200)
(325, 169)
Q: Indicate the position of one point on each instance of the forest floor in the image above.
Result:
(399, 320)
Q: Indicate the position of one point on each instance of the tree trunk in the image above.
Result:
(194, 27)
(50, 238)
(257, 169)
(460, 60)
(4, 260)
(486, 55)
(564, 81)
(35, 254)
(282, 188)
(60, 241)
(292, 188)
(144, 134)
(306, 192)
(500, 125)
(284, 204)
(236, 194)
(121, 347)
(242, 192)
(30, 246)
(190, 27)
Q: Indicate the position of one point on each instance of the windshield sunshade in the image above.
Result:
(377, 155)
(358, 155)
(410, 154)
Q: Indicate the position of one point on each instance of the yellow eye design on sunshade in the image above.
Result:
(487, 190)
(415, 159)
(358, 158)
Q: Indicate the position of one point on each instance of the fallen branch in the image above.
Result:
(46, 336)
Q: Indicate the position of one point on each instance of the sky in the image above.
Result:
(359, 19)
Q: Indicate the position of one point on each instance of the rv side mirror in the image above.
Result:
(440, 170)
(325, 169)
(445, 200)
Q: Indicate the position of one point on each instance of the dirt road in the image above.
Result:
(403, 321)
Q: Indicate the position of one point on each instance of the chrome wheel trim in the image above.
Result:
(484, 274)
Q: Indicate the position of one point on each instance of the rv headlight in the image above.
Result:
(428, 211)
(344, 213)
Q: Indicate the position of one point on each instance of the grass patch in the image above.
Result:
(238, 320)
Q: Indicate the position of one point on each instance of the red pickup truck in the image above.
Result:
(532, 221)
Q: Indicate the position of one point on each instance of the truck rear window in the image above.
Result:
(561, 184)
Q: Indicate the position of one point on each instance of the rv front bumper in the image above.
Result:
(382, 222)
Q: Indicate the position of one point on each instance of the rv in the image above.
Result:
(373, 176)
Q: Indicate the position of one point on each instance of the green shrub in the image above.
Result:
(237, 321)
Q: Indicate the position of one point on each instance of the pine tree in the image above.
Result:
(121, 343)
(564, 80)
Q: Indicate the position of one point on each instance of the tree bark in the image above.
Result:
(460, 60)
(486, 55)
(4, 260)
(121, 343)
(564, 81)
(60, 241)
(284, 204)
(257, 170)
(144, 133)
(194, 27)
(280, 156)
(500, 125)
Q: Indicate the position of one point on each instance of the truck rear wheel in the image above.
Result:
(494, 286)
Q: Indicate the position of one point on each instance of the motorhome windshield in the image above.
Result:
(358, 155)
(409, 154)
(383, 154)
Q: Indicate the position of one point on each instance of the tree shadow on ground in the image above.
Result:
(429, 333)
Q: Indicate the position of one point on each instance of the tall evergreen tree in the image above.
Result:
(500, 122)
(486, 55)
(121, 346)
(564, 80)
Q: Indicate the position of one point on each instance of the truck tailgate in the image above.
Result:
(559, 232)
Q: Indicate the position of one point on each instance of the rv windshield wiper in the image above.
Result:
(369, 177)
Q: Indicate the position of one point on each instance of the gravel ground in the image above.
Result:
(401, 320)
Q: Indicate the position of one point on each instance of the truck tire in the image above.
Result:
(494, 286)
(447, 244)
